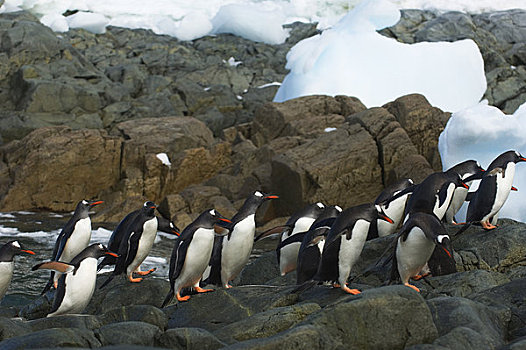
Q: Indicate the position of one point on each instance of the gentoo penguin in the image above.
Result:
(493, 190)
(191, 254)
(344, 244)
(73, 238)
(231, 252)
(415, 244)
(434, 194)
(136, 245)
(300, 221)
(466, 169)
(7, 255)
(123, 228)
(77, 282)
(312, 243)
(393, 206)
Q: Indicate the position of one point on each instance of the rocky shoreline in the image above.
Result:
(85, 115)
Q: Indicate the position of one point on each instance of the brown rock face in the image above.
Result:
(55, 167)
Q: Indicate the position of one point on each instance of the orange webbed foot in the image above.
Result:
(202, 290)
(411, 286)
(144, 273)
(180, 298)
(134, 280)
(351, 291)
(419, 277)
(487, 225)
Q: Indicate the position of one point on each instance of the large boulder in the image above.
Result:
(53, 337)
(189, 339)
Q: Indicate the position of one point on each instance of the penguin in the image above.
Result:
(415, 243)
(343, 246)
(312, 243)
(73, 238)
(136, 245)
(7, 265)
(231, 252)
(300, 221)
(493, 190)
(191, 254)
(434, 194)
(468, 169)
(122, 229)
(77, 282)
(393, 206)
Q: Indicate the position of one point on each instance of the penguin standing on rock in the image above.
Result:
(393, 206)
(136, 245)
(7, 265)
(493, 190)
(415, 244)
(123, 228)
(191, 254)
(231, 252)
(469, 171)
(73, 238)
(300, 221)
(77, 282)
(343, 246)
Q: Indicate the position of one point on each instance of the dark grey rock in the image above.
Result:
(65, 321)
(463, 338)
(301, 337)
(12, 327)
(54, 337)
(449, 313)
(189, 339)
(131, 332)
(143, 313)
(267, 323)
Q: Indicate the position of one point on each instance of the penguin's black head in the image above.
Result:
(519, 157)
(98, 250)
(167, 226)
(149, 208)
(84, 206)
(260, 196)
(444, 242)
(12, 248)
(456, 179)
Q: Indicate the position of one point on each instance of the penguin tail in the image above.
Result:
(168, 298)
(303, 287)
(108, 280)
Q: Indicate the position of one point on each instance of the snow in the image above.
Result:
(482, 132)
(353, 59)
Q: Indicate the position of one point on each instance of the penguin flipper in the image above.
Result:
(295, 238)
(274, 230)
(215, 263)
(54, 265)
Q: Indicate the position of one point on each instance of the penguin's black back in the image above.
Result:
(482, 200)
(391, 190)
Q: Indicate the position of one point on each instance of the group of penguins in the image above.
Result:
(322, 243)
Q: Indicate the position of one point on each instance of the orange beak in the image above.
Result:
(96, 203)
(513, 188)
(387, 218)
(112, 254)
(272, 197)
(27, 251)
(225, 220)
(447, 251)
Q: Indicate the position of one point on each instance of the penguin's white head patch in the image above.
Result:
(411, 181)
(518, 154)
(101, 246)
(212, 212)
(378, 208)
(258, 194)
(320, 205)
(16, 244)
(478, 164)
(337, 207)
(171, 225)
(85, 202)
(440, 238)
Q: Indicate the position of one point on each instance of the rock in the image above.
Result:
(266, 324)
(131, 332)
(506, 89)
(260, 270)
(59, 161)
(423, 124)
(229, 305)
(301, 337)
(462, 338)
(190, 339)
(450, 313)
(142, 313)
(54, 337)
(65, 321)
(339, 167)
(11, 327)
(39, 307)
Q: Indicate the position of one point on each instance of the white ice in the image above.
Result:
(353, 59)
(482, 132)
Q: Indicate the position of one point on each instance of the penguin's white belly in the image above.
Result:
(504, 185)
(145, 244)
(302, 225)
(413, 254)
(288, 258)
(196, 259)
(78, 240)
(79, 288)
(440, 210)
(395, 211)
(350, 250)
(237, 249)
(459, 196)
(6, 273)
